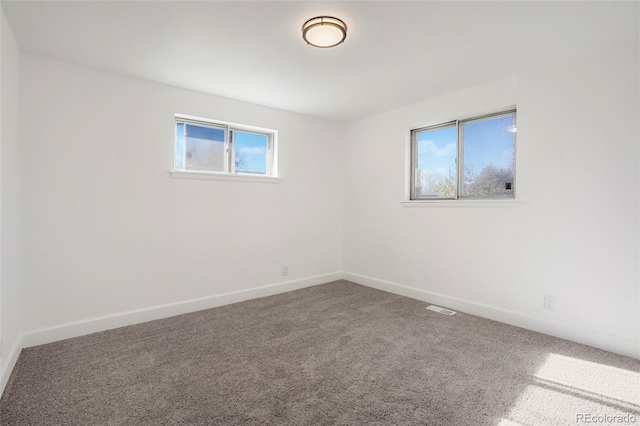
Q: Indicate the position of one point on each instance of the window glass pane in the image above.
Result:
(488, 157)
(436, 163)
(179, 146)
(250, 155)
(204, 148)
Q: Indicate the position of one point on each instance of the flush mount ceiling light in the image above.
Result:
(324, 31)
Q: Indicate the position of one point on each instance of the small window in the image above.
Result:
(472, 158)
(207, 146)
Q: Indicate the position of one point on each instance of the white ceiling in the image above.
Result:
(396, 53)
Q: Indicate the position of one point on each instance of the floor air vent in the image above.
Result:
(441, 310)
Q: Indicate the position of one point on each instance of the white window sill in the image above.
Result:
(506, 203)
(187, 174)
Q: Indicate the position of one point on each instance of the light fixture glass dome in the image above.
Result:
(324, 31)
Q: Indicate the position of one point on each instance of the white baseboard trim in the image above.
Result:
(597, 339)
(93, 325)
(7, 367)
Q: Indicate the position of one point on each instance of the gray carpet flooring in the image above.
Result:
(333, 354)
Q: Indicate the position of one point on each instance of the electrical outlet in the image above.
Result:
(285, 271)
(549, 302)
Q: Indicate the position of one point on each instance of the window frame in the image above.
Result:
(268, 153)
(229, 149)
(414, 157)
(458, 125)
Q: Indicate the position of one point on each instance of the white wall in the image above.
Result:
(575, 235)
(106, 230)
(9, 198)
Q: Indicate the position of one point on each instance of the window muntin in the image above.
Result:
(204, 146)
(472, 158)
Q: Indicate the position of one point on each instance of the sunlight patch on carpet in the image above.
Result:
(568, 390)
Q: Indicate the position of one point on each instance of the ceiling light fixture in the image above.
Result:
(512, 129)
(324, 31)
